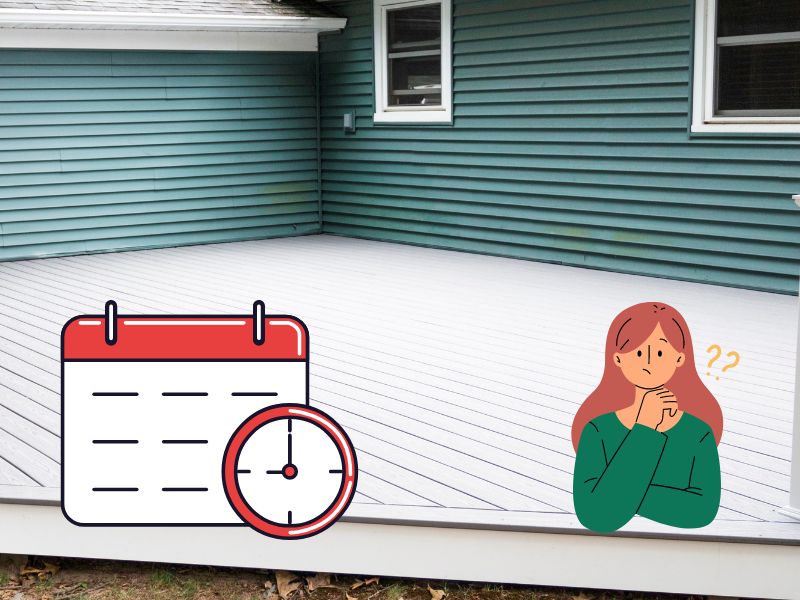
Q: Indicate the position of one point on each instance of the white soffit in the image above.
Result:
(154, 31)
(77, 19)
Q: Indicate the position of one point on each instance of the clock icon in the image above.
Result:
(289, 471)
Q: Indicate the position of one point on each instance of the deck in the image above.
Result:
(456, 375)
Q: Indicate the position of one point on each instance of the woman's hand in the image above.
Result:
(655, 403)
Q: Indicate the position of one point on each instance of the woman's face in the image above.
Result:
(651, 364)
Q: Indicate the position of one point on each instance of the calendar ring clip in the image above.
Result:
(111, 323)
(259, 336)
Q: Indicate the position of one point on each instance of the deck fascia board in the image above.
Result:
(582, 561)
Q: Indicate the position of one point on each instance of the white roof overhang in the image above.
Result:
(161, 31)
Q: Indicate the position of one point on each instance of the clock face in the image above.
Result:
(289, 471)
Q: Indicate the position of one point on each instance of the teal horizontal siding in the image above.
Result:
(120, 150)
(570, 144)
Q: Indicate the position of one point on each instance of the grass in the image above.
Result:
(162, 578)
(394, 591)
(188, 588)
(43, 584)
(173, 584)
(110, 580)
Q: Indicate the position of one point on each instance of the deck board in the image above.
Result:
(448, 369)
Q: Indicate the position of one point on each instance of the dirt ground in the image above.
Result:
(40, 578)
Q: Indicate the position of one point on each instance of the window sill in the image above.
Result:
(414, 117)
(734, 126)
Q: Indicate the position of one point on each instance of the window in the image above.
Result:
(747, 66)
(413, 82)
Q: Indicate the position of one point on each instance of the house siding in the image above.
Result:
(570, 144)
(116, 150)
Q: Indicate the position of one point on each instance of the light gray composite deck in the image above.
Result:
(456, 375)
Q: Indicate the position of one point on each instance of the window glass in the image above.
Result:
(763, 77)
(750, 17)
(414, 61)
(758, 57)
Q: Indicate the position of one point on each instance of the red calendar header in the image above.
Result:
(185, 337)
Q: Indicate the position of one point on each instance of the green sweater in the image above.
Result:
(671, 477)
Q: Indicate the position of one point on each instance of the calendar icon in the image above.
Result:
(198, 420)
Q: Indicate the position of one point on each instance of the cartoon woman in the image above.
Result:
(646, 438)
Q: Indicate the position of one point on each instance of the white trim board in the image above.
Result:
(781, 531)
(77, 19)
(710, 568)
(107, 39)
(92, 30)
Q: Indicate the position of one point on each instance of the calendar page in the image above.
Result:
(147, 413)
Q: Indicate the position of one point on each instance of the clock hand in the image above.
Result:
(289, 470)
(289, 462)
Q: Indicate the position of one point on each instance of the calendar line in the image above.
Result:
(162, 441)
(115, 393)
(270, 394)
(136, 489)
(184, 393)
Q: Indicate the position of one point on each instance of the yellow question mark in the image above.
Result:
(734, 363)
(719, 353)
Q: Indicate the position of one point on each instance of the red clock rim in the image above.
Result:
(295, 411)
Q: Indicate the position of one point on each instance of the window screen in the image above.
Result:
(750, 17)
(414, 61)
(758, 57)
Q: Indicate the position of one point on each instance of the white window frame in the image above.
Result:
(411, 114)
(703, 118)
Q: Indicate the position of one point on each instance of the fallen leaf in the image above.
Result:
(51, 568)
(581, 596)
(320, 580)
(288, 583)
(360, 583)
(269, 590)
(436, 594)
(348, 596)
(40, 573)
